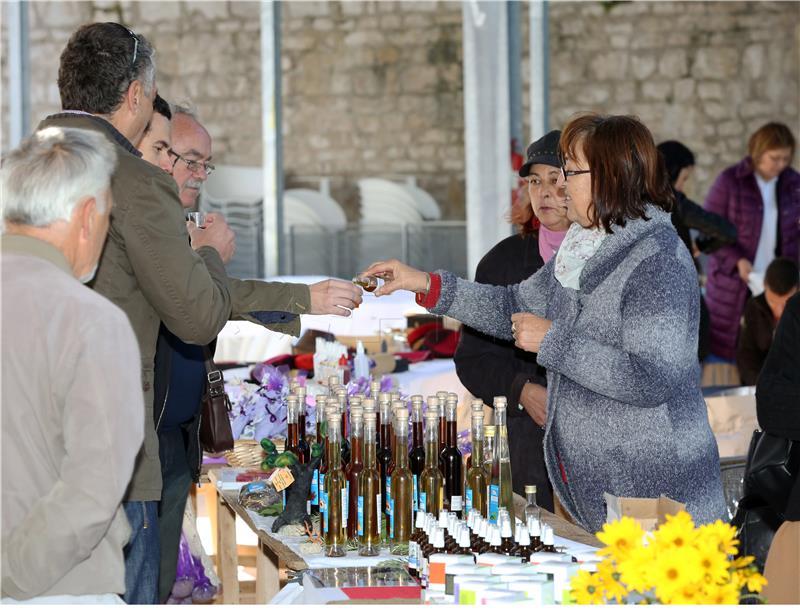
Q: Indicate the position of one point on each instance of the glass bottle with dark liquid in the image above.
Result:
(385, 460)
(341, 398)
(301, 422)
(402, 487)
(416, 456)
(431, 479)
(523, 549)
(334, 521)
(415, 544)
(442, 410)
(476, 482)
(293, 429)
(548, 540)
(354, 470)
(535, 532)
(451, 462)
(368, 282)
(322, 426)
(370, 508)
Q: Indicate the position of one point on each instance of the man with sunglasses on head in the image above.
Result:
(106, 81)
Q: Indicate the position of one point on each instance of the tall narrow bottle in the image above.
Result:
(488, 449)
(451, 462)
(293, 429)
(334, 502)
(385, 460)
(322, 426)
(476, 474)
(353, 470)
(341, 398)
(402, 487)
(374, 389)
(442, 410)
(370, 509)
(416, 456)
(431, 479)
(501, 493)
(301, 422)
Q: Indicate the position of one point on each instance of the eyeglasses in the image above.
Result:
(194, 166)
(565, 173)
(135, 45)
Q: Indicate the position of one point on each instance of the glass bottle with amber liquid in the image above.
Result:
(500, 490)
(293, 429)
(431, 479)
(385, 459)
(476, 482)
(334, 508)
(402, 487)
(451, 462)
(488, 449)
(322, 427)
(353, 470)
(416, 456)
(370, 509)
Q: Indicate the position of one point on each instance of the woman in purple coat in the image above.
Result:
(761, 196)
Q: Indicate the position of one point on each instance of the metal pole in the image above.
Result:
(514, 75)
(274, 248)
(540, 68)
(18, 72)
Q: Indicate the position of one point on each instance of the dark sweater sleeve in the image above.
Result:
(778, 388)
(749, 357)
(488, 366)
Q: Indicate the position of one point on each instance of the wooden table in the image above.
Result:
(274, 559)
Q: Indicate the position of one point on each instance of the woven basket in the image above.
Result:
(248, 453)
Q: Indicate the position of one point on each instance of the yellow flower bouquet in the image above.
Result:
(678, 563)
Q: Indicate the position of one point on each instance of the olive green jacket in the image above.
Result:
(149, 270)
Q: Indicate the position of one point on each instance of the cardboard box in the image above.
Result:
(649, 512)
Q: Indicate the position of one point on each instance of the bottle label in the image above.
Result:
(321, 483)
(455, 503)
(283, 493)
(315, 488)
(423, 501)
(323, 507)
(415, 495)
(391, 518)
(378, 514)
(345, 507)
(388, 492)
(412, 555)
(468, 506)
(494, 502)
(361, 515)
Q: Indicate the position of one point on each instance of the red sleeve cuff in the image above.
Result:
(432, 298)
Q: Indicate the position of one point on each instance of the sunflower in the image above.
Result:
(755, 582)
(609, 580)
(721, 534)
(713, 562)
(674, 569)
(634, 570)
(678, 531)
(690, 594)
(585, 588)
(621, 537)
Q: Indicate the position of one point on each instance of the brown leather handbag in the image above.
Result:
(215, 426)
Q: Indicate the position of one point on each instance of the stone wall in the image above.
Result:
(375, 88)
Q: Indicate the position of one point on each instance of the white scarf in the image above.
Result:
(579, 245)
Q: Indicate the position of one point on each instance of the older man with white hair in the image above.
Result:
(71, 395)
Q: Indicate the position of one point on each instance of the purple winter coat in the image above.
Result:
(736, 196)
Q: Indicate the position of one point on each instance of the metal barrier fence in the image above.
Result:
(428, 246)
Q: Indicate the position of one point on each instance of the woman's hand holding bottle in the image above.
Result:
(397, 276)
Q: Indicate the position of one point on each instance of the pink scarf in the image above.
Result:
(549, 241)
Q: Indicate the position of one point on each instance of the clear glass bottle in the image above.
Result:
(335, 507)
(416, 456)
(401, 511)
(532, 508)
(476, 482)
(488, 449)
(374, 389)
(500, 488)
(431, 479)
(293, 429)
(451, 461)
(344, 417)
(370, 509)
(354, 469)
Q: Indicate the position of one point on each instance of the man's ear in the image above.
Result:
(86, 213)
(134, 96)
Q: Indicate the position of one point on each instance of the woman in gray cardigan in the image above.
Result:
(614, 319)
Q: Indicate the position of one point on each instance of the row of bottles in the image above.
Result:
(370, 482)
(475, 536)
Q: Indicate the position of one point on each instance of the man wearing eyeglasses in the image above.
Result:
(106, 81)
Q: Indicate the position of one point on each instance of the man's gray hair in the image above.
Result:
(52, 171)
(186, 108)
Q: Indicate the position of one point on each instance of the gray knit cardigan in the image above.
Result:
(624, 409)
